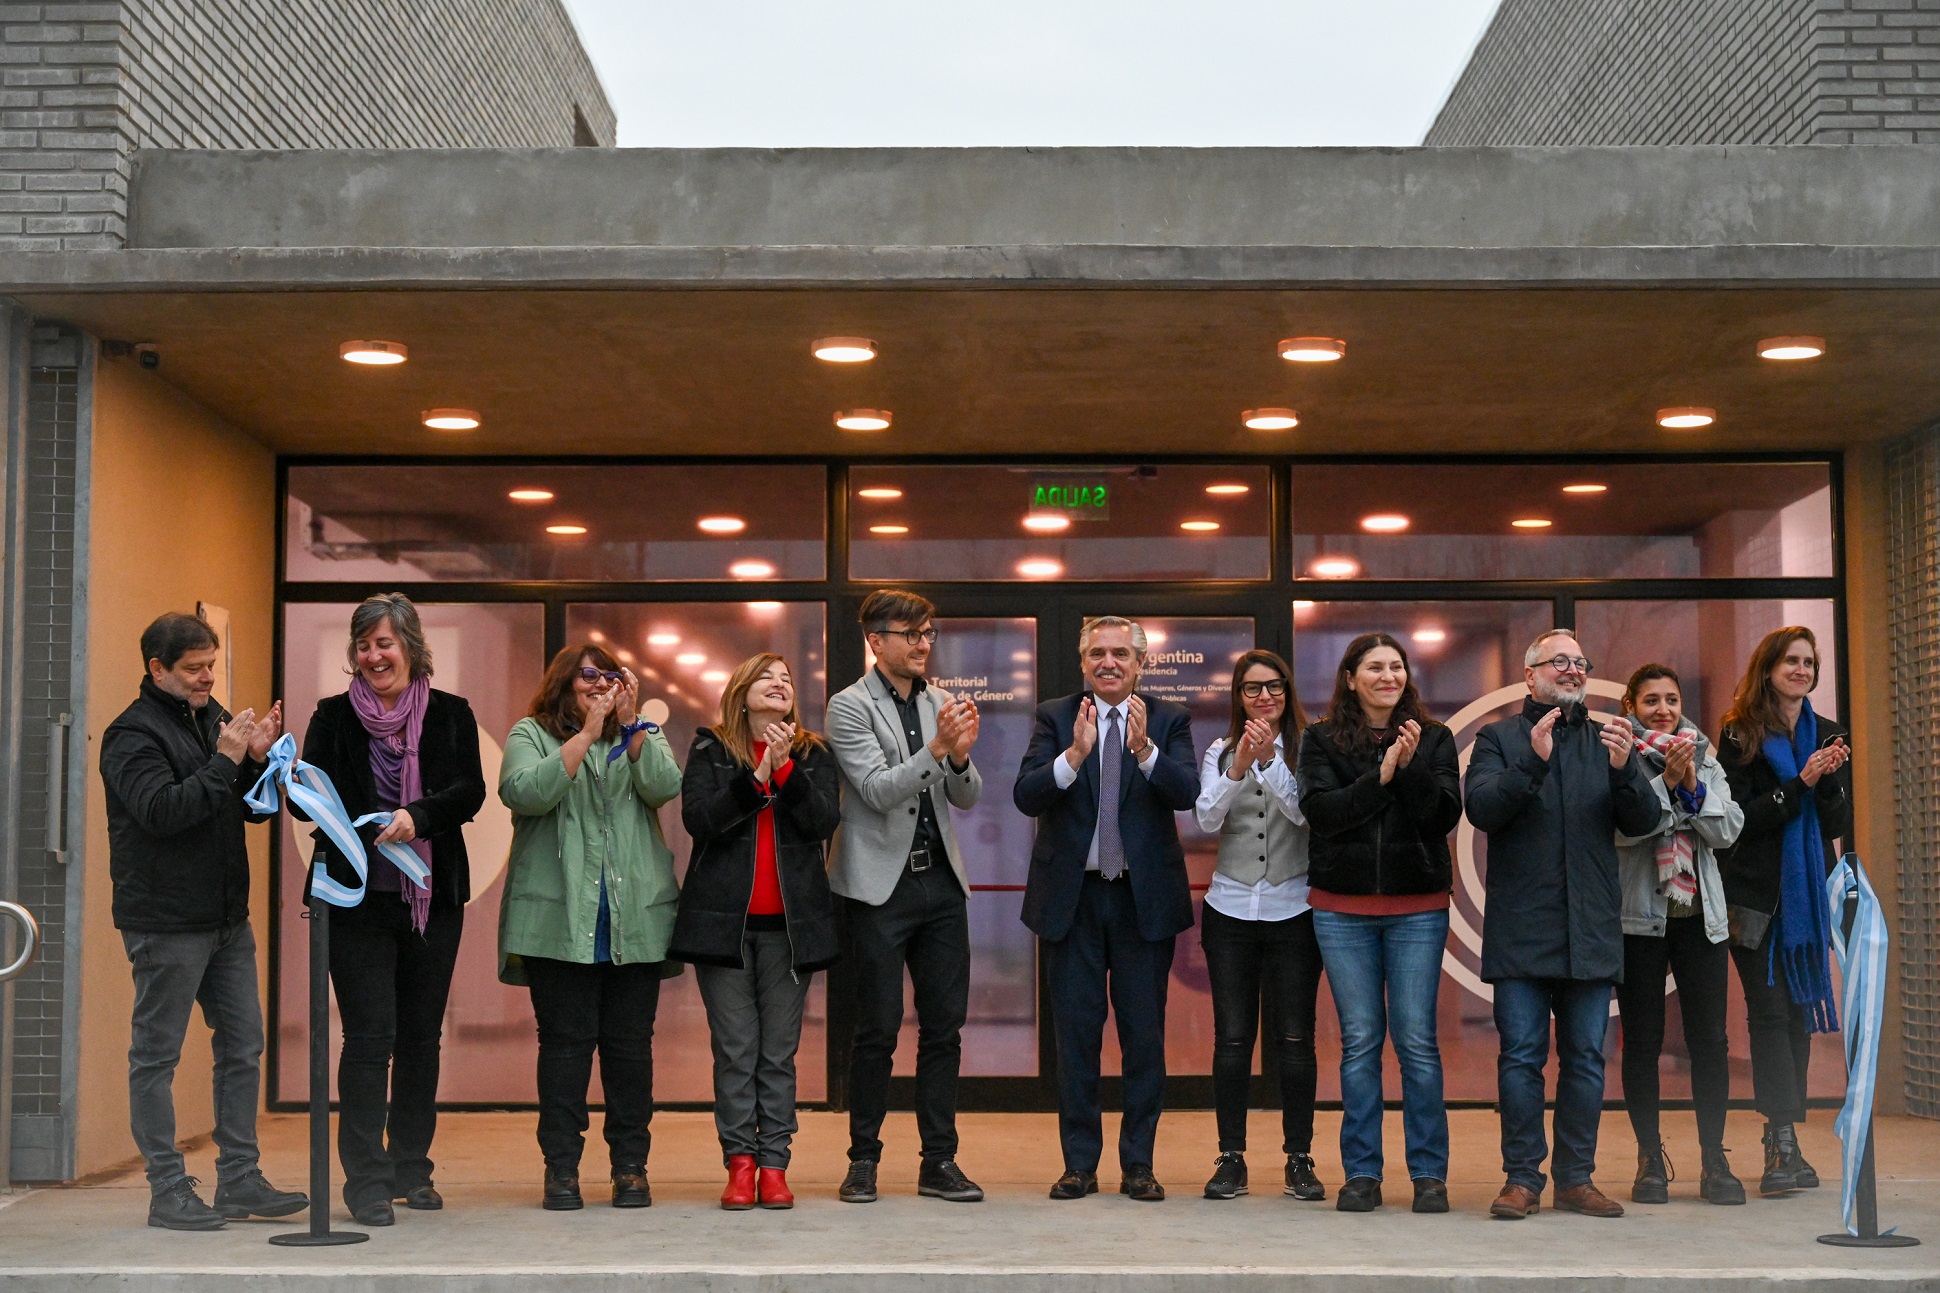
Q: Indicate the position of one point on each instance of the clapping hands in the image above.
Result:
(1829, 758)
(1407, 739)
(779, 738)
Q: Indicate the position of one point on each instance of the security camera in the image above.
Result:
(147, 355)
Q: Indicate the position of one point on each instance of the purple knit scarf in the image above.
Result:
(394, 736)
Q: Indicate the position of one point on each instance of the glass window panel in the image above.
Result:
(993, 661)
(969, 523)
(683, 653)
(459, 522)
(1650, 520)
(492, 655)
(1708, 643)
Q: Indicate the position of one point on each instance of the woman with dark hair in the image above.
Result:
(1674, 921)
(1379, 785)
(1256, 927)
(1787, 767)
(761, 797)
(588, 908)
(392, 743)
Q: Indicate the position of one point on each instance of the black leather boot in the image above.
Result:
(1717, 1184)
(1780, 1145)
(1653, 1183)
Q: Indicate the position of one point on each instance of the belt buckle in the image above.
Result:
(919, 860)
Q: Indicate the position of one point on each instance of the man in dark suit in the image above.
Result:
(1108, 892)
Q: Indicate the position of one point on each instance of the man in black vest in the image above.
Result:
(175, 766)
(1108, 892)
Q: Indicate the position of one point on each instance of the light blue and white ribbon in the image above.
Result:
(310, 789)
(1862, 971)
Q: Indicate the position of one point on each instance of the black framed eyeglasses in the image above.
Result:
(587, 673)
(1272, 687)
(915, 637)
(1564, 663)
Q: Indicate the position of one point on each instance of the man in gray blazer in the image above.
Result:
(895, 863)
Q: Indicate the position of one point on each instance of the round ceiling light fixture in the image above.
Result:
(663, 639)
(1270, 419)
(1312, 350)
(1047, 524)
(752, 569)
(375, 354)
(1429, 637)
(1384, 523)
(452, 419)
(1334, 567)
(722, 524)
(564, 530)
(714, 675)
(1198, 527)
(691, 658)
(879, 492)
(863, 419)
(530, 496)
(844, 350)
(1685, 416)
(1040, 568)
(1791, 347)
(1228, 490)
(1586, 487)
(1532, 523)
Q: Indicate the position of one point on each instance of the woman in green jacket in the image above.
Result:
(589, 907)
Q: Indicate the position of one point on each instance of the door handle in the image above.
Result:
(55, 830)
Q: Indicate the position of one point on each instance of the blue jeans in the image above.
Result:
(1385, 972)
(1522, 1011)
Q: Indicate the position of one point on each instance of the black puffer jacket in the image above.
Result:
(1750, 867)
(720, 802)
(176, 852)
(1374, 839)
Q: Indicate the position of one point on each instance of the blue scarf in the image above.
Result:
(1804, 932)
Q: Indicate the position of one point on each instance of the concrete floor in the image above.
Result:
(493, 1238)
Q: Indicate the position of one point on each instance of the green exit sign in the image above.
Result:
(1082, 498)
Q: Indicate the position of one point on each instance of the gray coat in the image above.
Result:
(881, 780)
(1715, 826)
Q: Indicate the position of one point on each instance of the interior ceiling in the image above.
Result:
(1032, 372)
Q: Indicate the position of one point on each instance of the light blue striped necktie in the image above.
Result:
(1111, 849)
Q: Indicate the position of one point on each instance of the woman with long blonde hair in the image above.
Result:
(761, 797)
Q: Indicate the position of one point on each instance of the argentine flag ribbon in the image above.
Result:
(310, 790)
(1862, 971)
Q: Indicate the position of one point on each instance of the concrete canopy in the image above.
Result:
(1030, 301)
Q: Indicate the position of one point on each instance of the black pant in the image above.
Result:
(925, 924)
(578, 1008)
(392, 983)
(1781, 1049)
(1244, 957)
(1104, 962)
(1700, 967)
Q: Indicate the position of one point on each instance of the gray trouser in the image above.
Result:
(172, 973)
(755, 1016)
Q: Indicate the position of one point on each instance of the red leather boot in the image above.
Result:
(739, 1195)
(774, 1189)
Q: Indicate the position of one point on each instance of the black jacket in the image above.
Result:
(719, 802)
(1067, 819)
(454, 786)
(1368, 838)
(1750, 867)
(1555, 909)
(176, 852)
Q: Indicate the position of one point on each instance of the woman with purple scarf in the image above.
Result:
(1787, 767)
(392, 744)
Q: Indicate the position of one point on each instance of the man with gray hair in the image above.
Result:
(1551, 787)
(1105, 772)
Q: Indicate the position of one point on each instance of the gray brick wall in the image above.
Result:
(83, 87)
(1563, 72)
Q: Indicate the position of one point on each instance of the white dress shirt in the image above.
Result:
(1067, 776)
(1227, 896)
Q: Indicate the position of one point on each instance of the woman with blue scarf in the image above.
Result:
(1787, 766)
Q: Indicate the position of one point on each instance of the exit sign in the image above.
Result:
(1082, 498)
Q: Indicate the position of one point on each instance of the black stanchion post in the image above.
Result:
(319, 1234)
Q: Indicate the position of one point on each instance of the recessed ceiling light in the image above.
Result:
(378, 354)
(1222, 491)
(1791, 347)
(1299, 606)
(1270, 419)
(565, 529)
(595, 635)
(889, 529)
(1428, 637)
(1021, 657)
(722, 524)
(626, 656)
(451, 419)
(879, 492)
(1334, 567)
(863, 419)
(1532, 523)
(1586, 488)
(530, 496)
(1684, 417)
(1047, 524)
(663, 639)
(1384, 523)
(691, 658)
(1312, 350)
(1199, 527)
(764, 608)
(845, 350)
(751, 569)
(714, 675)
(1040, 568)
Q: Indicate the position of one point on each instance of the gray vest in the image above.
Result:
(1257, 840)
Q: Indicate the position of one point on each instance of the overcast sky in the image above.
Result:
(791, 73)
